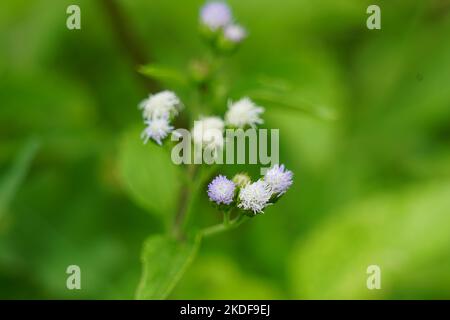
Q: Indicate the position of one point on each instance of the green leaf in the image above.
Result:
(164, 262)
(10, 182)
(278, 93)
(293, 103)
(149, 174)
(166, 75)
(405, 233)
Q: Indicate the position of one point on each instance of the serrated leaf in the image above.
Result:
(164, 262)
(149, 175)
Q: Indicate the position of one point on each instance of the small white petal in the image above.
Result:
(208, 132)
(243, 113)
(255, 196)
(157, 129)
(160, 105)
(234, 33)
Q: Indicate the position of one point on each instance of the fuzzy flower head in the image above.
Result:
(156, 129)
(243, 113)
(255, 196)
(208, 132)
(234, 33)
(163, 104)
(221, 190)
(215, 15)
(279, 179)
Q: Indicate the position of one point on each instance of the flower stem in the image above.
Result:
(219, 228)
(187, 193)
(226, 217)
(128, 39)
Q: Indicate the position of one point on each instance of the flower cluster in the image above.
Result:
(218, 23)
(238, 198)
(209, 131)
(252, 197)
(158, 110)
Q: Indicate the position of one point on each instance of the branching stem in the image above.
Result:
(219, 228)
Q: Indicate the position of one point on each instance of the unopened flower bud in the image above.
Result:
(241, 179)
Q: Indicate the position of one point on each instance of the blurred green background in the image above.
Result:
(367, 134)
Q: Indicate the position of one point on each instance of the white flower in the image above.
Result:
(157, 129)
(243, 113)
(279, 179)
(234, 33)
(162, 104)
(208, 132)
(255, 196)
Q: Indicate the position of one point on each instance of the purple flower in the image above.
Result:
(221, 190)
(234, 33)
(215, 15)
(279, 179)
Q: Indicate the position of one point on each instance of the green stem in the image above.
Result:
(194, 180)
(226, 218)
(196, 184)
(187, 194)
(219, 228)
